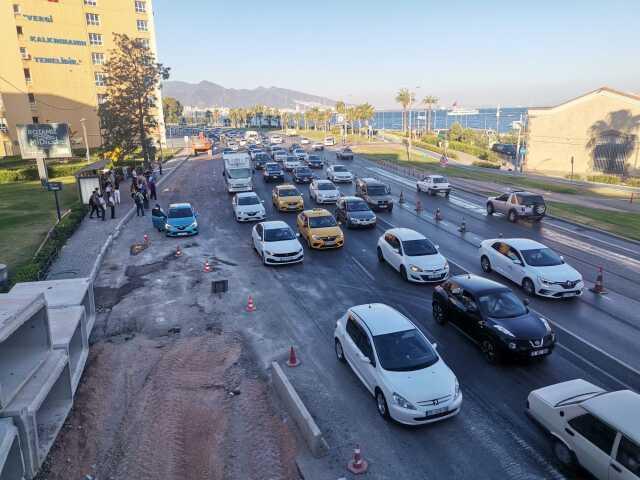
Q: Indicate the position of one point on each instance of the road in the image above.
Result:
(298, 305)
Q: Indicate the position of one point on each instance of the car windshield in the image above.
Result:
(326, 186)
(261, 157)
(346, 150)
(181, 212)
(314, 158)
(272, 167)
(357, 206)
(303, 171)
(404, 351)
(322, 222)
(377, 190)
(440, 180)
(541, 257)
(418, 248)
(292, 159)
(340, 168)
(279, 234)
(288, 192)
(239, 172)
(503, 304)
(253, 200)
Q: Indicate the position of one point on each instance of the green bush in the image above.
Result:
(435, 149)
(486, 165)
(27, 174)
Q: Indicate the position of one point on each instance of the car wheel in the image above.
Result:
(528, 287)
(339, 351)
(380, 255)
(390, 209)
(513, 216)
(446, 194)
(418, 187)
(490, 209)
(430, 192)
(439, 315)
(381, 403)
(485, 264)
(564, 455)
(490, 351)
(403, 273)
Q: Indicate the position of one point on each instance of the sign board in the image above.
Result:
(340, 118)
(44, 140)
(54, 186)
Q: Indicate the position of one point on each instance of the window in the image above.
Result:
(100, 82)
(32, 98)
(142, 25)
(24, 54)
(629, 455)
(596, 432)
(144, 42)
(93, 3)
(92, 18)
(102, 98)
(35, 120)
(97, 58)
(16, 8)
(27, 75)
(19, 30)
(95, 39)
(141, 7)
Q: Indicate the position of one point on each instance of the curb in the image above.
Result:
(296, 408)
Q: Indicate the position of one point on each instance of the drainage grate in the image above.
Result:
(219, 286)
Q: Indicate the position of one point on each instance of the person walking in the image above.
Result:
(116, 191)
(102, 204)
(93, 203)
(112, 205)
(145, 194)
(152, 189)
(139, 200)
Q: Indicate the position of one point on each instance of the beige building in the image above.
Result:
(51, 61)
(599, 130)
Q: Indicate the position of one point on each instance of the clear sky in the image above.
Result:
(476, 52)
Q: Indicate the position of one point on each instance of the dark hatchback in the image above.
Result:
(494, 316)
(273, 172)
(315, 161)
(302, 175)
(355, 213)
(260, 160)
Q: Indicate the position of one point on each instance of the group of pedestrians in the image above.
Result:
(99, 201)
(143, 189)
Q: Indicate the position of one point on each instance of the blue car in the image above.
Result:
(181, 220)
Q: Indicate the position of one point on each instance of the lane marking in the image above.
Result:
(594, 366)
(362, 267)
(582, 234)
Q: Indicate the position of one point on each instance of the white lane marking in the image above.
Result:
(595, 367)
(366, 272)
(604, 242)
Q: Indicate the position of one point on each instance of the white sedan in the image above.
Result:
(277, 243)
(433, 184)
(534, 266)
(248, 207)
(290, 163)
(397, 364)
(301, 154)
(324, 191)
(339, 173)
(304, 141)
(413, 255)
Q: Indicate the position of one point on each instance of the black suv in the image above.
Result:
(354, 212)
(273, 172)
(494, 316)
(260, 160)
(375, 193)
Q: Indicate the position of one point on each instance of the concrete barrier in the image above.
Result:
(25, 342)
(296, 408)
(11, 461)
(69, 334)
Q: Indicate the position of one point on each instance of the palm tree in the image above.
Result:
(366, 112)
(404, 98)
(429, 101)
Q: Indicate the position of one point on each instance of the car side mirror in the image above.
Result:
(437, 247)
(470, 307)
(562, 258)
(526, 302)
(365, 359)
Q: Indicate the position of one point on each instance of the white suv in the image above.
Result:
(248, 207)
(433, 184)
(397, 364)
(590, 427)
(534, 266)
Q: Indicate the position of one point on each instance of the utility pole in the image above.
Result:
(498, 121)
(410, 132)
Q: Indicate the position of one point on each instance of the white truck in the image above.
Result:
(238, 174)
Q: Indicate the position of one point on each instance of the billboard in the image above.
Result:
(44, 140)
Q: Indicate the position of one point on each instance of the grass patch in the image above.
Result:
(622, 223)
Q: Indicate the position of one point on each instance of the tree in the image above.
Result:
(172, 110)
(132, 78)
(612, 142)
(456, 132)
(216, 116)
(404, 98)
(429, 101)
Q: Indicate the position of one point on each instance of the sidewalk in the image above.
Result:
(78, 256)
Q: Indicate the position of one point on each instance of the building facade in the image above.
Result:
(600, 131)
(53, 53)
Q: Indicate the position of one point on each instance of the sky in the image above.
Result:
(473, 52)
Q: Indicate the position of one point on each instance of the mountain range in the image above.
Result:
(208, 94)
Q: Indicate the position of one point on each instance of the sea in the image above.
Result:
(485, 119)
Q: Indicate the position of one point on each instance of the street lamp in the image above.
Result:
(86, 142)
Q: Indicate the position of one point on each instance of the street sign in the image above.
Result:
(54, 186)
(44, 140)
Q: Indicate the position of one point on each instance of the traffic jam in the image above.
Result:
(317, 202)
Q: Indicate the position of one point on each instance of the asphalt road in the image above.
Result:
(298, 305)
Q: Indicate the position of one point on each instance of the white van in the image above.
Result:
(329, 141)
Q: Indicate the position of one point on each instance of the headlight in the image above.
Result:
(446, 265)
(544, 281)
(194, 225)
(315, 237)
(545, 322)
(268, 252)
(402, 402)
(413, 268)
(503, 330)
(457, 389)
(167, 226)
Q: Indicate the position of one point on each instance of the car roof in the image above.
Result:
(382, 319)
(274, 224)
(406, 234)
(317, 212)
(180, 205)
(324, 181)
(352, 198)
(520, 243)
(619, 410)
(478, 284)
(285, 186)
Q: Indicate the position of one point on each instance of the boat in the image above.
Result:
(456, 111)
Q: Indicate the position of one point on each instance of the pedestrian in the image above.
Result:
(108, 188)
(160, 167)
(112, 205)
(102, 204)
(152, 190)
(134, 174)
(116, 191)
(93, 203)
(139, 200)
(145, 194)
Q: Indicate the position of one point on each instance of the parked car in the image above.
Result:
(302, 174)
(324, 191)
(273, 172)
(533, 265)
(248, 207)
(276, 243)
(375, 193)
(320, 229)
(339, 173)
(590, 427)
(315, 161)
(518, 204)
(434, 184)
(397, 364)
(181, 220)
(413, 255)
(355, 213)
(493, 316)
(344, 154)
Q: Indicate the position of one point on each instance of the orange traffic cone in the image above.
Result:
(207, 267)
(146, 238)
(438, 215)
(178, 251)
(251, 307)
(418, 206)
(357, 464)
(599, 285)
(293, 359)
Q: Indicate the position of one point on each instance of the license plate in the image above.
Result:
(436, 411)
(328, 244)
(432, 277)
(537, 353)
(569, 294)
(183, 233)
(286, 259)
(274, 176)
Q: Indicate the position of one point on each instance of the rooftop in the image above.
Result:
(382, 319)
(619, 410)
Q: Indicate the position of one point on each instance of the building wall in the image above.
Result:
(59, 57)
(558, 133)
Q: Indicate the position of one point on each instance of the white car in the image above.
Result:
(233, 146)
(433, 184)
(290, 162)
(317, 146)
(301, 154)
(534, 266)
(304, 141)
(413, 255)
(397, 364)
(275, 139)
(254, 152)
(324, 191)
(339, 173)
(280, 156)
(329, 141)
(277, 243)
(248, 207)
(590, 427)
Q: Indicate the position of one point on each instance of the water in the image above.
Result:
(486, 118)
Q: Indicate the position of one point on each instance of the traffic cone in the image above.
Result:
(401, 200)
(251, 307)
(438, 215)
(357, 464)
(207, 267)
(418, 206)
(293, 359)
(146, 238)
(178, 251)
(599, 285)
(463, 226)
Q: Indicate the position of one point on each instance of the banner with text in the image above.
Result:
(44, 140)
